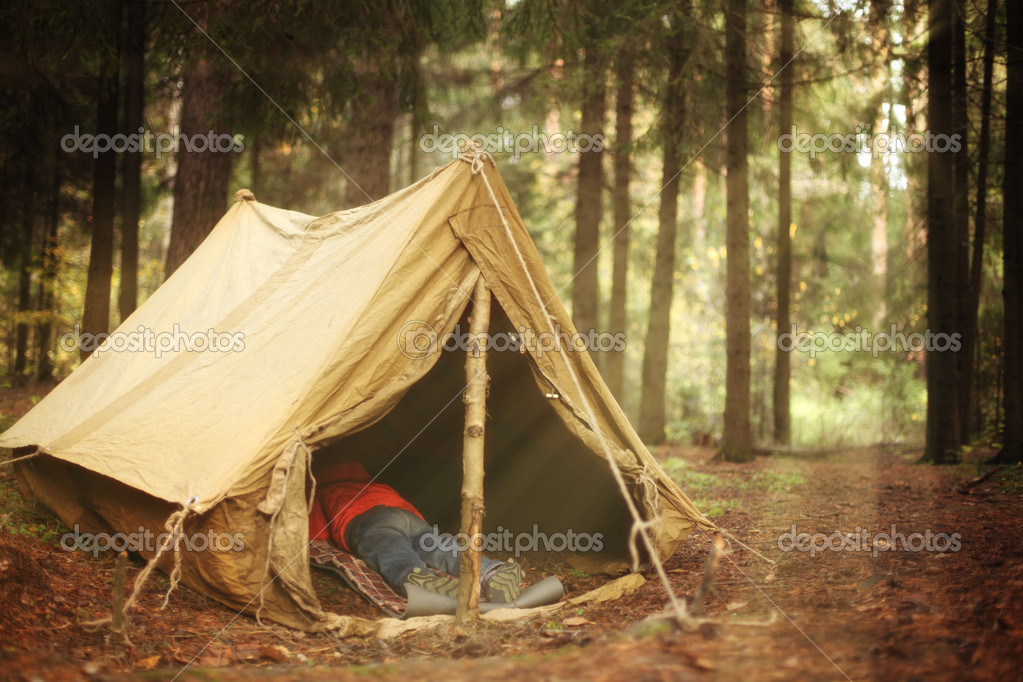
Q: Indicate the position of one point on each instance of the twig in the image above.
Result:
(707, 584)
(118, 618)
(965, 487)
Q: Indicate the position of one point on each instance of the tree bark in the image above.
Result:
(614, 360)
(371, 136)
(969, 366)
(48, 277)
(783, 279)
(131, 166)
(96, 316)
(473, 439)
(942, 367)
(961, 208)
(1012, 440)
(589, 197)
(652, 415)
(25, 275)
(737, 440)
(202, 178)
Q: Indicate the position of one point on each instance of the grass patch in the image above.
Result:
(1010, 480)
(715, 494)
(709, 492)
(6, 422)
(773, 481)
(26, 517)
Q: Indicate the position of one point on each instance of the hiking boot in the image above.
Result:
(501, 584)
(439, 584)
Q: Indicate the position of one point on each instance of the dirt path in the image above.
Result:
(857, 610)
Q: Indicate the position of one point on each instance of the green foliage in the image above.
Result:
(715, 494)
(772, 482)
(26, 517)
(474, 67)
(1010, 480)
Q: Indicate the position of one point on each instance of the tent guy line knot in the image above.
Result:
(474, 155)
(729, 538)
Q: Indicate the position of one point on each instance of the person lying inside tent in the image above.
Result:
(372, 521)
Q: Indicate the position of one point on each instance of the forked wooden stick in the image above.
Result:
(472, 455)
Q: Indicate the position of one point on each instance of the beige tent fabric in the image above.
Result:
(307, 308)
(482, 231)
(310, 311)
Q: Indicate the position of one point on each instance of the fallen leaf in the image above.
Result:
(700, 662)
(576, 621)
(277, 654)
(148, 663)
(868, 607)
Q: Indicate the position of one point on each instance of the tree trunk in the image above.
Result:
(201, 182)
(1012, 440)
(96, 316)
(782, 368)
(131, 167)
(255, 154)
(371, 137)
(961, 208)
(970, 368)
(942, 367)
(25, 273)
(589, 197)
(614, 360)
(652, 419)
(48, 277)
(737, 440)
(880, 43)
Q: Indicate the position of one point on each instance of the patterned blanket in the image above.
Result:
(357, 575)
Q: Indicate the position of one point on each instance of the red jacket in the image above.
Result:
(343, 491)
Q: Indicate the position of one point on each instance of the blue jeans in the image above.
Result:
(394, 541)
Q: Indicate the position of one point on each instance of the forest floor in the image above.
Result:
(943, 602)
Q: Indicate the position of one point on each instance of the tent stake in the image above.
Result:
(118, 625)
(472, 455)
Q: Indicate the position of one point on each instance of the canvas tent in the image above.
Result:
(307, 317)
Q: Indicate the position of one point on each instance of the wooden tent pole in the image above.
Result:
(472, 455)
